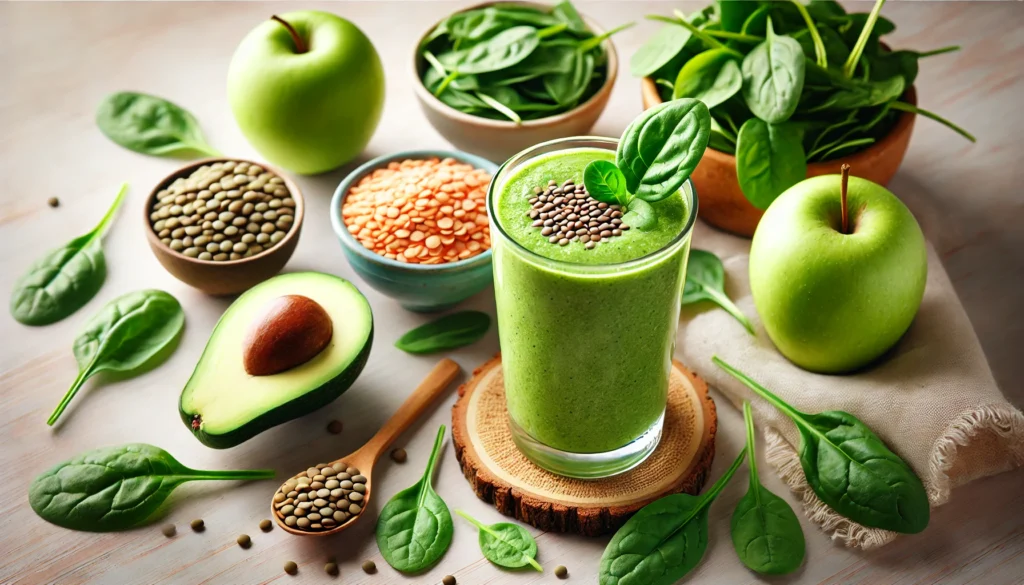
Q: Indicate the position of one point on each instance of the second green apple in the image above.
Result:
(832, 301)
(307, 90)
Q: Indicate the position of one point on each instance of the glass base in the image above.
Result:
(588, 465)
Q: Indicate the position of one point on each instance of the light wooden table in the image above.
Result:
(58, 60)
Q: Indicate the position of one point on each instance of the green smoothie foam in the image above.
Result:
(586, 346)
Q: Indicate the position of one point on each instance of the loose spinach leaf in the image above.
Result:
(151, 125)
(505, 544)
(850, 468)
(605, 182)
(664, 541)
(448, 332)
(765, 531)
(773, 77)
(639, 215)
(415, 528)
(66, 278)
(668, 42)
(769, 159)
(661, 147)
(127, 336)
(705, 281)
(711, 77)
(115, 488)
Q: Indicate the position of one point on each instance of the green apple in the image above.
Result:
(832, 301)
(307, 90)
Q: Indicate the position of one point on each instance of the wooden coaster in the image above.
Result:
(503, 476)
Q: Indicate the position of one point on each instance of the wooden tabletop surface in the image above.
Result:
(58, 60)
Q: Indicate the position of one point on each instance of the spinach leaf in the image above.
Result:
(705, 281)
(566, 12)
(66, 278)
(711, 77)
(864, 39)
(151, 125)
(668, 42)
(128, 335)
(733, 13)
(765, 531)
(448, 332)
(639, 215)
(662, 146)
(505, 544)
(664, 541)
(769, 159)
(865, 94)
(773, 77)
(566, 89)
(850, 468)
(503, 50)
(415, 528)
(115, 488)
(605, 182)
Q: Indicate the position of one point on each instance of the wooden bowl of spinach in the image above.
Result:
(499, 77)
(795, 91)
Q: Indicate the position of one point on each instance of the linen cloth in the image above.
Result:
(932, 398)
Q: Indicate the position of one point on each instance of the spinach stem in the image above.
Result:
(481, 526)
(83, 375)
(551, 30)
(507, 111)
(428, 473)
(760, 390)
(680, 20)
(744, 38)
(594, 42)
(862, 40)
(949, 49)
(109, 216)
(819, 47)
(748, 419)
(201, 474)
(726, 303)
(905, 107)
(722, 481)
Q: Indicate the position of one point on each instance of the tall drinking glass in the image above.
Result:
(587, 334)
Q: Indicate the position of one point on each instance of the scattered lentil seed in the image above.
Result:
(331, 568)
(291, 568)
(198, 525)
(561, 572)
(244, 541)
(334, 427)
(426, 211)
(399, 455)
(169, 530)
(54, 202)
(217, 205)
(266, 525)
(448, 580)
(369, 567)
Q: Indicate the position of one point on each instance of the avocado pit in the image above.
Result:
(292, 331)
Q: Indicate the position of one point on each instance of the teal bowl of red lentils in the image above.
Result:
(414, 226)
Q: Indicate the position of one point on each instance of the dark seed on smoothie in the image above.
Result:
(561, 572)
(369, 567)
(568, 213)
(169, 530)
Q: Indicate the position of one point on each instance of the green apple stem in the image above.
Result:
(845, 170)
(300, 45)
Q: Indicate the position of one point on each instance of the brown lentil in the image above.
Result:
(369, 567)
(266, 525)
(567, 213)
(334, 427)
(399, 455)
(331, 568)
(169, 530)
(427, 211)
(448, 580)
(561, 572)
(198, 525)
(291, 568)
(307, 503)
(244, 541)
(202, 215)
(53, 202)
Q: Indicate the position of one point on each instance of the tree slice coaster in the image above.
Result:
(501, 475)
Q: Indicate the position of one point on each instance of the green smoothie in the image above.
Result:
(586, 335)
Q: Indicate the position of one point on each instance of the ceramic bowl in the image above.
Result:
(417, 287)
(498, 140)
(231, 276)
(722, 203)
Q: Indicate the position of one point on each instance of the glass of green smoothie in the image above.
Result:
(587, 309)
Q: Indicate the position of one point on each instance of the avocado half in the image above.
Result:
(223, 405)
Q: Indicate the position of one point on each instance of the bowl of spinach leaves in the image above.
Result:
(499, 77)
(795, 90)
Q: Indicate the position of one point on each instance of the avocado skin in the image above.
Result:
(303, 405)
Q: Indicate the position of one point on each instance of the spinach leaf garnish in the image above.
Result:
(705, 281)
(116, 488)
(505, 544)
(66, 278)
(850, 468)
(765, 531)
(448, 332)
(414, 528)
(151, 125)
(130, 334)
(664, 541)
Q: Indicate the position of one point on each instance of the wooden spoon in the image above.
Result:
(364, 459)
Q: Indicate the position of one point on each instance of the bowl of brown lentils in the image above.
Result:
(224, 225)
